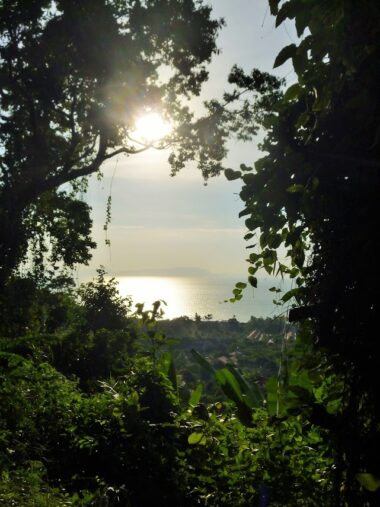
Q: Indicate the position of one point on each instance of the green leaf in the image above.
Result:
(230, 174)
(300, 60)
(368, 481)
(289, 295)
(284, 55)
(314, 183)
(252, 394)
(293, 189)
(292, 92)
(252, 223)
(195, 396)
(249, 178)
(168, 368)
(322, 101)
(274, 240)
(302, 119)
(253, 258)
(304, 395)
(268, 266)
(244, 212)
(244, 167)
(302, 19)
(270, 120)
(253, 281)
(273, 392)
(241, 285)
(196, 439)
(273, 5)
(229, 384)
(288, 10)
(301, 378)
(269, 256)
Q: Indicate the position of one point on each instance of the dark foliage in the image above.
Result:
(74, 77)
(314, 194)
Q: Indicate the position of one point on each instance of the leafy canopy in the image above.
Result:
(312, 199)
(74, 77)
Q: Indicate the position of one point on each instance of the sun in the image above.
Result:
(151, 128)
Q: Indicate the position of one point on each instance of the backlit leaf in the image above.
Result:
(368, 481)
(284, 55)
(196, 439)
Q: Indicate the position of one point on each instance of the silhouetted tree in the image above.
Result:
(74, 77)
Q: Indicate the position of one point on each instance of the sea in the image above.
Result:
(187, 296)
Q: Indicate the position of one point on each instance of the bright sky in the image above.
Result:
(163, 225)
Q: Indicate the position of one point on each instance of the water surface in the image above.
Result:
(202, 295)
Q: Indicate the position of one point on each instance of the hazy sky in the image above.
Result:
(162, 224)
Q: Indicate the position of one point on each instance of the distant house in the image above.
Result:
(258, 336)
(254, 335)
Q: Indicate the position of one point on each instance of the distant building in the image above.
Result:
(254, 335)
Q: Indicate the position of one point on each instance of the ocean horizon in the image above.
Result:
(202, 295)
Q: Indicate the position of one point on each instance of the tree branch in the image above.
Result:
(66, 176)
(126, 150)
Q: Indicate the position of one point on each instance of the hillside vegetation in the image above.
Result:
(101, 406)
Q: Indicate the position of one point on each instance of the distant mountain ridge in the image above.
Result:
(180, 271)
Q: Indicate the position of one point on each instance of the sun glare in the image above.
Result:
(151, 128)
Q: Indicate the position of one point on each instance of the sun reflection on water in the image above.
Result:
(202, 295)
(147, 289)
